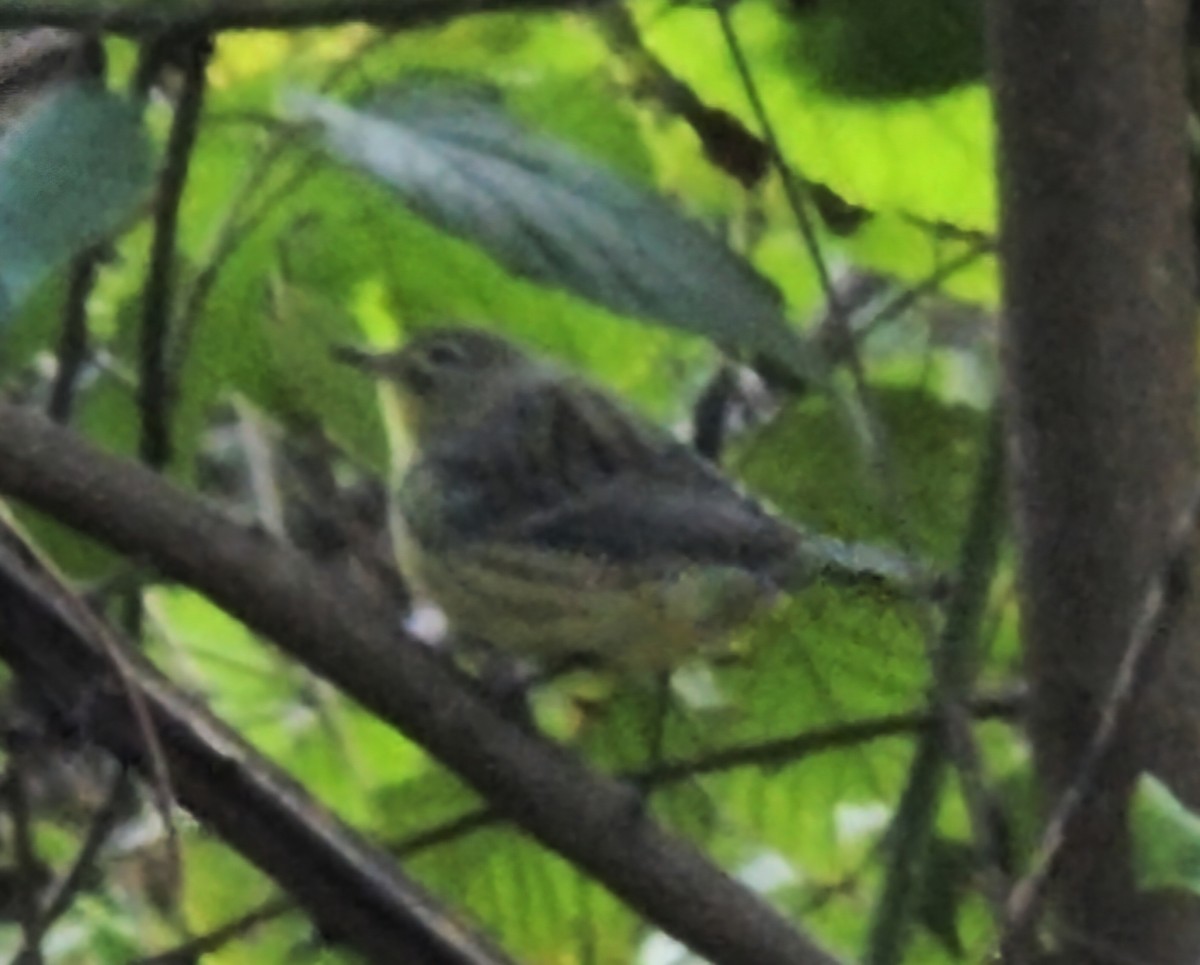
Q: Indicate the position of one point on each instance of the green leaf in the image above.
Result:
(70, 171)
(1166, 838)
(828, 655)
(810, 466)
(300, 327)
(902, 48)
(549, 215)
(535, 903)
(930, 158)
(30, 328)
(344, 756)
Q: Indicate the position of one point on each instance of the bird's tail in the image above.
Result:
(850, 564)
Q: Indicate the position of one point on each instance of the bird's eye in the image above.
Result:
(445, 353)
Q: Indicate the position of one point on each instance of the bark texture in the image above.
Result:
(1100, 374)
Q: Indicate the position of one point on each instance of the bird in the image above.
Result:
(546, 517)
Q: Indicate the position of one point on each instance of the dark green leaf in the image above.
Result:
(551, 216)
(70, 171)
(902, 48)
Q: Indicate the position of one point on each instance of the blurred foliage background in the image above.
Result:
(694, 205)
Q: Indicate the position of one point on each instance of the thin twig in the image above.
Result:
(154, 389)
(210, 942)
(947, 689)
(1001, 706)
(103, 823)
(954, 658)
(12, 539)
(151, 18)
(788, 750)
(792, 187)
(281, 905)
(866, 417)
(242, 219)
(775, 753)
(25, 853)
(77, 877)
(710, 414)
(73, 336)
(904, 300)
(1168, 591)
(236, 228)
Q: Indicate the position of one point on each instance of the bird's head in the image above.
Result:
(448, 378)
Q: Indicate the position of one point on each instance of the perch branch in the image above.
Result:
(344, 635)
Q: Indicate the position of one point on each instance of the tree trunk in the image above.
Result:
(1100, 377)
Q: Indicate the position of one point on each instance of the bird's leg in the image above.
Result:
(659, 709)
(505, 683)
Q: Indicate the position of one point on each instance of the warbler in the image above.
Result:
(543, 516)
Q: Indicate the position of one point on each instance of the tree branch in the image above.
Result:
(344, 635)
(66, 654)
(151, 18)
(1165, 602)
(773, 753)
(155, 392)
(193, 950)
(26, 881)
(955, 660)
(103, 822)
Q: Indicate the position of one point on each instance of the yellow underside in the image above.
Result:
(556, 604)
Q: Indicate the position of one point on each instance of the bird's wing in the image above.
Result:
(633, 520)
(581, 474)
(545, 448)
(577, 437)
(565, 467)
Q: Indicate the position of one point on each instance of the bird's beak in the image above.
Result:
(400, 368)
(373, 363)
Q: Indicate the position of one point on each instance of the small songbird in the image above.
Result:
(543, 516)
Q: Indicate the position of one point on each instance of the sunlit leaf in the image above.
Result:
(929, 157)
(535, 903)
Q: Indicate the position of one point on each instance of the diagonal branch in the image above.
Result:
(344, 635)
(76, 878)
(25, 853)
(353, 891)
(772, 753)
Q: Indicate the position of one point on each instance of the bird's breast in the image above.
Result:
(543, 605)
